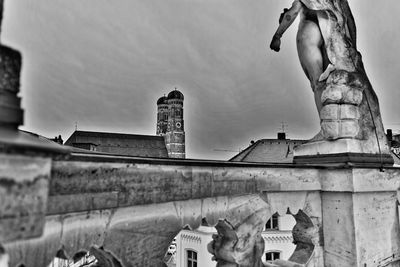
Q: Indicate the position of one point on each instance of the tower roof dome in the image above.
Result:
(162, 100)
(175, 94)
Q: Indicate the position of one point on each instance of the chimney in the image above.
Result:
(281, 136)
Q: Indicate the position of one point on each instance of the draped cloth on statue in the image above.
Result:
(340, 51)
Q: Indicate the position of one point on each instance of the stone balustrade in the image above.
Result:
(126, 210)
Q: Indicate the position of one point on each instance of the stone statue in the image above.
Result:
(310, 43)
(351, 124)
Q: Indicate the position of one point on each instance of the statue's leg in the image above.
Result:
(309, 48)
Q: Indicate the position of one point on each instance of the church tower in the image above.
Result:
(175, 134)
(162, 115)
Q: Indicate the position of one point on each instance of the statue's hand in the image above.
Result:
(275, 43)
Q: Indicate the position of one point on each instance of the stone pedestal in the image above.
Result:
(360, 218)
(337, 152)
(351, 125)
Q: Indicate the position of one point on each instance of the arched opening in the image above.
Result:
(278, 238)
(303, 234)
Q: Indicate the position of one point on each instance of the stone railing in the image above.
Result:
(126, 211)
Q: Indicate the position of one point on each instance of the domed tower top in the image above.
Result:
(162, 100)
(175, 94)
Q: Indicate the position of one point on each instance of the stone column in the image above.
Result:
(360, 215)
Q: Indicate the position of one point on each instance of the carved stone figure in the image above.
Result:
(351, 125)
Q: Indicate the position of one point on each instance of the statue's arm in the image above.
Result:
(287, 20)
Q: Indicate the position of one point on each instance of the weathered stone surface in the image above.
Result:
(376, 226)
(37, 251)
(338, 221)
(339, 94)
(83, 230)
(23, 196)
(349, 128)
(79, 186)
(349, 112)
(330, 112)
(137, 232)
(10, 67)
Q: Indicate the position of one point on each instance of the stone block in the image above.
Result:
(330, 129)
(353, 96)
(340, 121)
(341, 77)
(23, 196)
(330, 112)
(338, 77)
(332, 94)
(349, 112)
(341, 94)
(349, 128)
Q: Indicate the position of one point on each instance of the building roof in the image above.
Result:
(277, 151)
(121, 144)
(162, 100)
(269, 150)
(175, 94)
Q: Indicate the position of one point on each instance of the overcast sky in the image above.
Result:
(104, 64)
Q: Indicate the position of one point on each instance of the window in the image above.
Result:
(273, 255)
(273, 223)
(191, 258)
